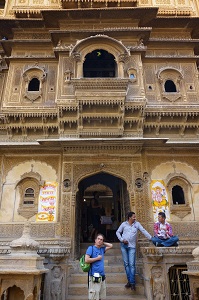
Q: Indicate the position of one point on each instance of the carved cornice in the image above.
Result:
(108, 132)
(130, 149)
(100, 83)
(156, 56)
(160, 251)
(181, 111)
(185, 11)
(55, 253)
(29, 113)
(136, 104)
(100, 28)
(174, 40)
(101, 116)
(103, 101)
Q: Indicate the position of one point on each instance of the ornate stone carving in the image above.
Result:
(28, 207)
(158, 283)
(172, 97)
(25, 243)
(56, 283)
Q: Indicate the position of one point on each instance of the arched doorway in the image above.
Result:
(114, 204)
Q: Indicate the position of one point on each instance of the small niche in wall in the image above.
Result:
(132, 73)
(34, 85)
(170, 86)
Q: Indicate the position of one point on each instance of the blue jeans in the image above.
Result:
(129, 256)
(165, 243)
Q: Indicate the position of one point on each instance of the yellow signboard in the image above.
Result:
(47, 203)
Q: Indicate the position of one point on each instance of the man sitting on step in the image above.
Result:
(163, 233)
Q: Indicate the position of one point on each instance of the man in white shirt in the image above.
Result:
(127, 234)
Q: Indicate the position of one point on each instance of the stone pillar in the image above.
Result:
(56, 281)
(193, 273)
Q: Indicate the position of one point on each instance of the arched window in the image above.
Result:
(99, 63)
(29, 187)
(178, 195)
(170, 87)
(34, 85)
(29, 196)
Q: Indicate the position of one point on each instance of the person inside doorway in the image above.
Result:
(127, 235)
(95, 257)
(163, 233)
(95, 211)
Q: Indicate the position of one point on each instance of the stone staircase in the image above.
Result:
(115, 279)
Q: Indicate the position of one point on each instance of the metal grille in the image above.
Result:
(179, 283)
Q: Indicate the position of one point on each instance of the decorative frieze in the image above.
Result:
(98, 83)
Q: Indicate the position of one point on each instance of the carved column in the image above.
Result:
(79, 64)
(193, 273)
(121, 60)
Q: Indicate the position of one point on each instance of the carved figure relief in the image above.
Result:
(158, 284)
(56, 284)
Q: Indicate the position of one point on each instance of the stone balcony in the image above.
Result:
(157, 262)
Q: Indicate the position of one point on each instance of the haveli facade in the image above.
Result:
(99, 96)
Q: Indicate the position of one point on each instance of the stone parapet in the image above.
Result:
(156, 265)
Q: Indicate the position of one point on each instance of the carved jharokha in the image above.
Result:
(98, 96)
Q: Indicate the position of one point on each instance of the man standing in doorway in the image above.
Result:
(95, 256)
(127, 234)
(163, 233)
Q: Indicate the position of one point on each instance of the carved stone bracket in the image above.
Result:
(172, 97)
(57, 254)
(180, 210)
(32, 96)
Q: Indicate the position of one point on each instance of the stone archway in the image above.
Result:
(13, 293)
(114, 202)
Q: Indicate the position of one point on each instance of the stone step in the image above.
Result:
(113, 289)
(119, 268)
(115, 282)
(82, 278)
(123, 297)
